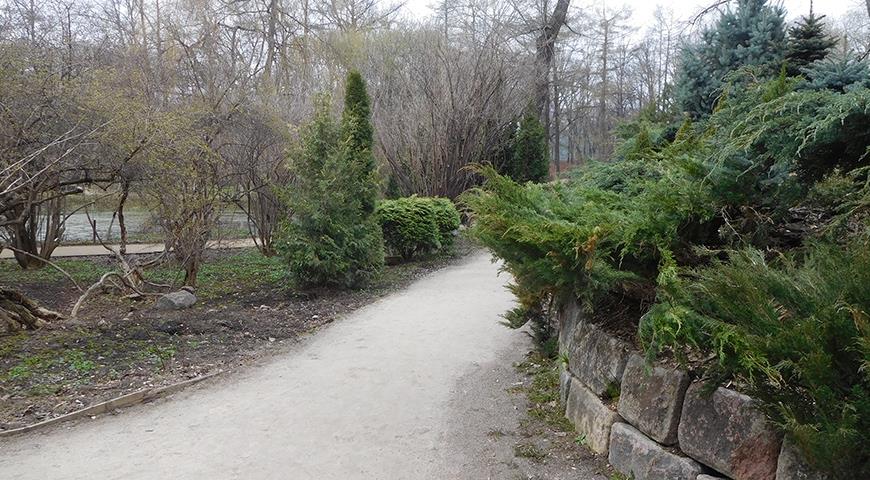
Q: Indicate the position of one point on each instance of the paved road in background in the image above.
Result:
(410, 387)
(97, 250)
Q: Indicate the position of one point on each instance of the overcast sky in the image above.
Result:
(642, 9)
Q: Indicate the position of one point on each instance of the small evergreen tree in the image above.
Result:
(807, 42)
(841, 73)
(529, 157)
(753, 34)
(334, 238)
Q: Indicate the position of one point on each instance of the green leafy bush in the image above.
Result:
(795, 331)
(415, 225)
(409, 226)
(447, 218)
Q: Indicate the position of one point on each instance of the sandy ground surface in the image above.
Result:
(138, 248)
(410, 387)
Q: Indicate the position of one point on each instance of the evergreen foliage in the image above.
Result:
(744, 238)
(409, 226)
(333, 237)
(752, 34)
(358, 139)
(841, 74)
(415, 225)
(446, 218)
(528, 155)
(808, 42)
(795, 331)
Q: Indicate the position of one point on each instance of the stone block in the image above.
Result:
(570, 315)
(634, 454)
(592, 418)
(564, 385)
(793, 466)
(597, 358)
(725, 431)
(651, 399)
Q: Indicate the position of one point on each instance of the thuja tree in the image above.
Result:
(752, 34)
(333, 237)
(528, 157)
(808, 41)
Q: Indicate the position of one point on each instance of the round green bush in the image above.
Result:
(447, 219)
(414, 225)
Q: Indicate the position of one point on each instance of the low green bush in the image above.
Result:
(415, 225)
(794, 331)
(447, 219)
(741, 241)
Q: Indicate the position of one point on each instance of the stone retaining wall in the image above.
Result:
(655, 423)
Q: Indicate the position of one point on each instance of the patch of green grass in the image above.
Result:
(244, 270)
(543, 393)
(11, 344)
(581, 440)
(160, 354)
(77, 361)
(612, 392)
(530, 451)
(43, 390)
(82, 270)
(29, 366)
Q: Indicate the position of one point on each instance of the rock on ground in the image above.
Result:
(176, 301)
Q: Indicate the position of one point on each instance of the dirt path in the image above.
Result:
(98, 250)
(410, 387)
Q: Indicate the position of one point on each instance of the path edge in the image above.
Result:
(128, 400)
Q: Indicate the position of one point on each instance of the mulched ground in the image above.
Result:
(119, 346)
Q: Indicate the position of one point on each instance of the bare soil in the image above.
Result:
(120, 346)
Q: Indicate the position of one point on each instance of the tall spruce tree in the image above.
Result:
(752, 34)
(528, 159)
(808, 41)
(333, 237)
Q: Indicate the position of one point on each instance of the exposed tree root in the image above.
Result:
(17, 312)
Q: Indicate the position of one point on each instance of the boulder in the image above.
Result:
(710, 477)
(651, 399)
(725, 431)
(591, 417)
(176, 301)
(635, 455)
(793, 466)
(597, 358)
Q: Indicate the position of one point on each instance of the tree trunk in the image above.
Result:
(544, 60)
(557, 126)
(17, 312)
(122, 224)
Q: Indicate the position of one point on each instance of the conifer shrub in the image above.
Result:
(409, 226)
(447, 218)
(794, 331)
(416, 225)
(333, 237)
(741, 239)
(527, 156)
